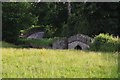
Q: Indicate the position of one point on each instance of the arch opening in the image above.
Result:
(78, 47)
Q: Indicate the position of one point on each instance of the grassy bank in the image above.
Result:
(42, 63)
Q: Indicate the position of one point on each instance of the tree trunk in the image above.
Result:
(69, 8)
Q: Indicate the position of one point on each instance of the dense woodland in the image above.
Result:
(59, 19)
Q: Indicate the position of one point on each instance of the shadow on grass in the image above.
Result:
(10, 45)
(22, 46)
(102, 51)
(41, 47)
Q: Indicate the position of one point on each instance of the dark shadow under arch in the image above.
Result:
(78, 47)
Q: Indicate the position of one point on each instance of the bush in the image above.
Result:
(105, 42)
(46, 42)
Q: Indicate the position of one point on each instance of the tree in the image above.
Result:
(60, 19)
(16, 16)
(93, 18)
(53, 15)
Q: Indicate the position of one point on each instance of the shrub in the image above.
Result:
(105, 42)
(46, 42)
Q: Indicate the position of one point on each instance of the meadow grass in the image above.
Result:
(46, 63)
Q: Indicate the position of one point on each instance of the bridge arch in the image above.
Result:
(78, 44)
(78, 47)
(78, 41)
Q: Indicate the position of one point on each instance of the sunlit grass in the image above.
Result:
(58, 63)
(46, 63)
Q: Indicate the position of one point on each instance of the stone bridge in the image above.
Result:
(78, 41)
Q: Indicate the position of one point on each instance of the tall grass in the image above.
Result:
(46, 63)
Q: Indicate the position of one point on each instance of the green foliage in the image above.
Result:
(16, 16)
(76, 25)
(86, 18)
(52, 15)
(49, 30)
(37, 42)
(106, 42)
(7, 45)
(93, 19)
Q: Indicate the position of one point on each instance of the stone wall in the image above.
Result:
(80, 37)
(37, 35)
(60, 44)
(80, 40)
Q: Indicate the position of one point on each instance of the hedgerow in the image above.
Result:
(105, 42)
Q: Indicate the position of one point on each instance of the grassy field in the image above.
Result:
(46, 63)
